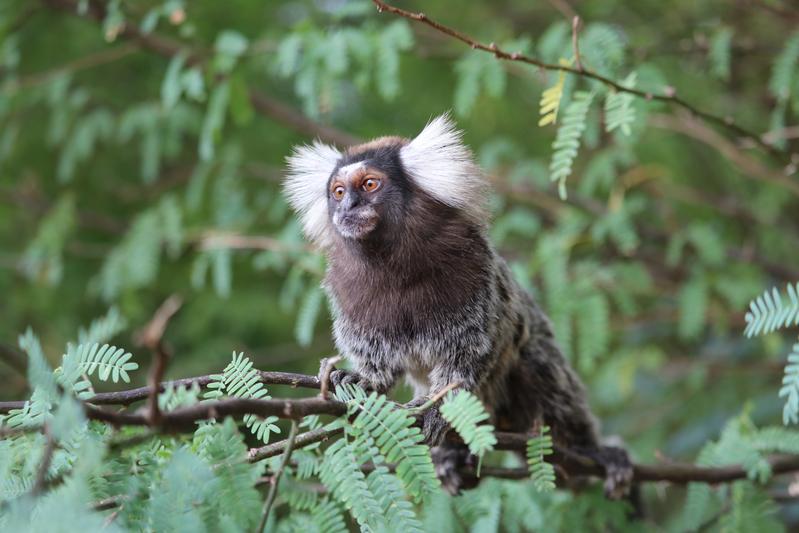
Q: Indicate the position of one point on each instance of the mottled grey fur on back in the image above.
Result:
(418, 291)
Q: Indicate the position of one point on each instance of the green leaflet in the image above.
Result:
(567, 141)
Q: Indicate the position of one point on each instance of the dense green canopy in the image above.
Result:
(142, 145)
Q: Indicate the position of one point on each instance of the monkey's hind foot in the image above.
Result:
(618, 470)
(454, 468)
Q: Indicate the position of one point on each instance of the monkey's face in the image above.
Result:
(360, 199)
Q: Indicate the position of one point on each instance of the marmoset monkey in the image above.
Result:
(417, 290)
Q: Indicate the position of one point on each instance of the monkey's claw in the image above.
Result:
(343, 377)
(618, 471)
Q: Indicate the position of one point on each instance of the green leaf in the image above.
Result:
(466, 414)
(394, 433)
(541, 472)
(619, 111)
(214, 120)
(784, 70)
(770, 312)
(567, 142)
(720, 54)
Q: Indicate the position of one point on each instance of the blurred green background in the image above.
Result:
(142, 145)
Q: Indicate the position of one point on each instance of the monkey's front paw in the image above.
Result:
(349, 377)
(618, 470)
(434, 427)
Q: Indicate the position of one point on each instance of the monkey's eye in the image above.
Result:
(370, 184)
(338, 192)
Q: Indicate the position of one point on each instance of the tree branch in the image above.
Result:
(672, 99)
(184, 418)
(572, 463)
(127, 397)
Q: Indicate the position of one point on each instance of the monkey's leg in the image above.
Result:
(563, 406)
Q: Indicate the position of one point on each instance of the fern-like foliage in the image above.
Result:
(790, 388)
(341, 473)
(240, 380)
(769, 311)
(235, 495)
(327, 518)
(393, 432)
(619, 110)
(466, 414)
(33, 413)
(541, 472)
(551, 98)
(106, 361)
(397, 511)
(567, 141)
(750, 510)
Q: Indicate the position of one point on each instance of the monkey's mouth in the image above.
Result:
(356, 224)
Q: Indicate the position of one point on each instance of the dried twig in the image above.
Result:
(152, 336)
(575, 42)
(436, 397)
(328, 364)
(270, 498)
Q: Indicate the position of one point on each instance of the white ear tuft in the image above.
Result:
(439, 163)
(306, 186)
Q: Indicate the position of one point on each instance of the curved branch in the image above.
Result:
(672, 99)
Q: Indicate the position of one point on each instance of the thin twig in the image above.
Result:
(92, 60)
(184, 418)
(211, 240)
(436, 397)
(328, 364)
(270, 498)
(668, 97)
(750, 167)
(575, 42)
(152, 336)
(306, 439)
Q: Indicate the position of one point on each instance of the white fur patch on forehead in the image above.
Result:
(439, 163)
(347, 171)
(306, 186)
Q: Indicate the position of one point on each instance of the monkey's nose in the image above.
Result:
(349, 201)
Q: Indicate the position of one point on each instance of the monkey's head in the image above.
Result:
(370, 191)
